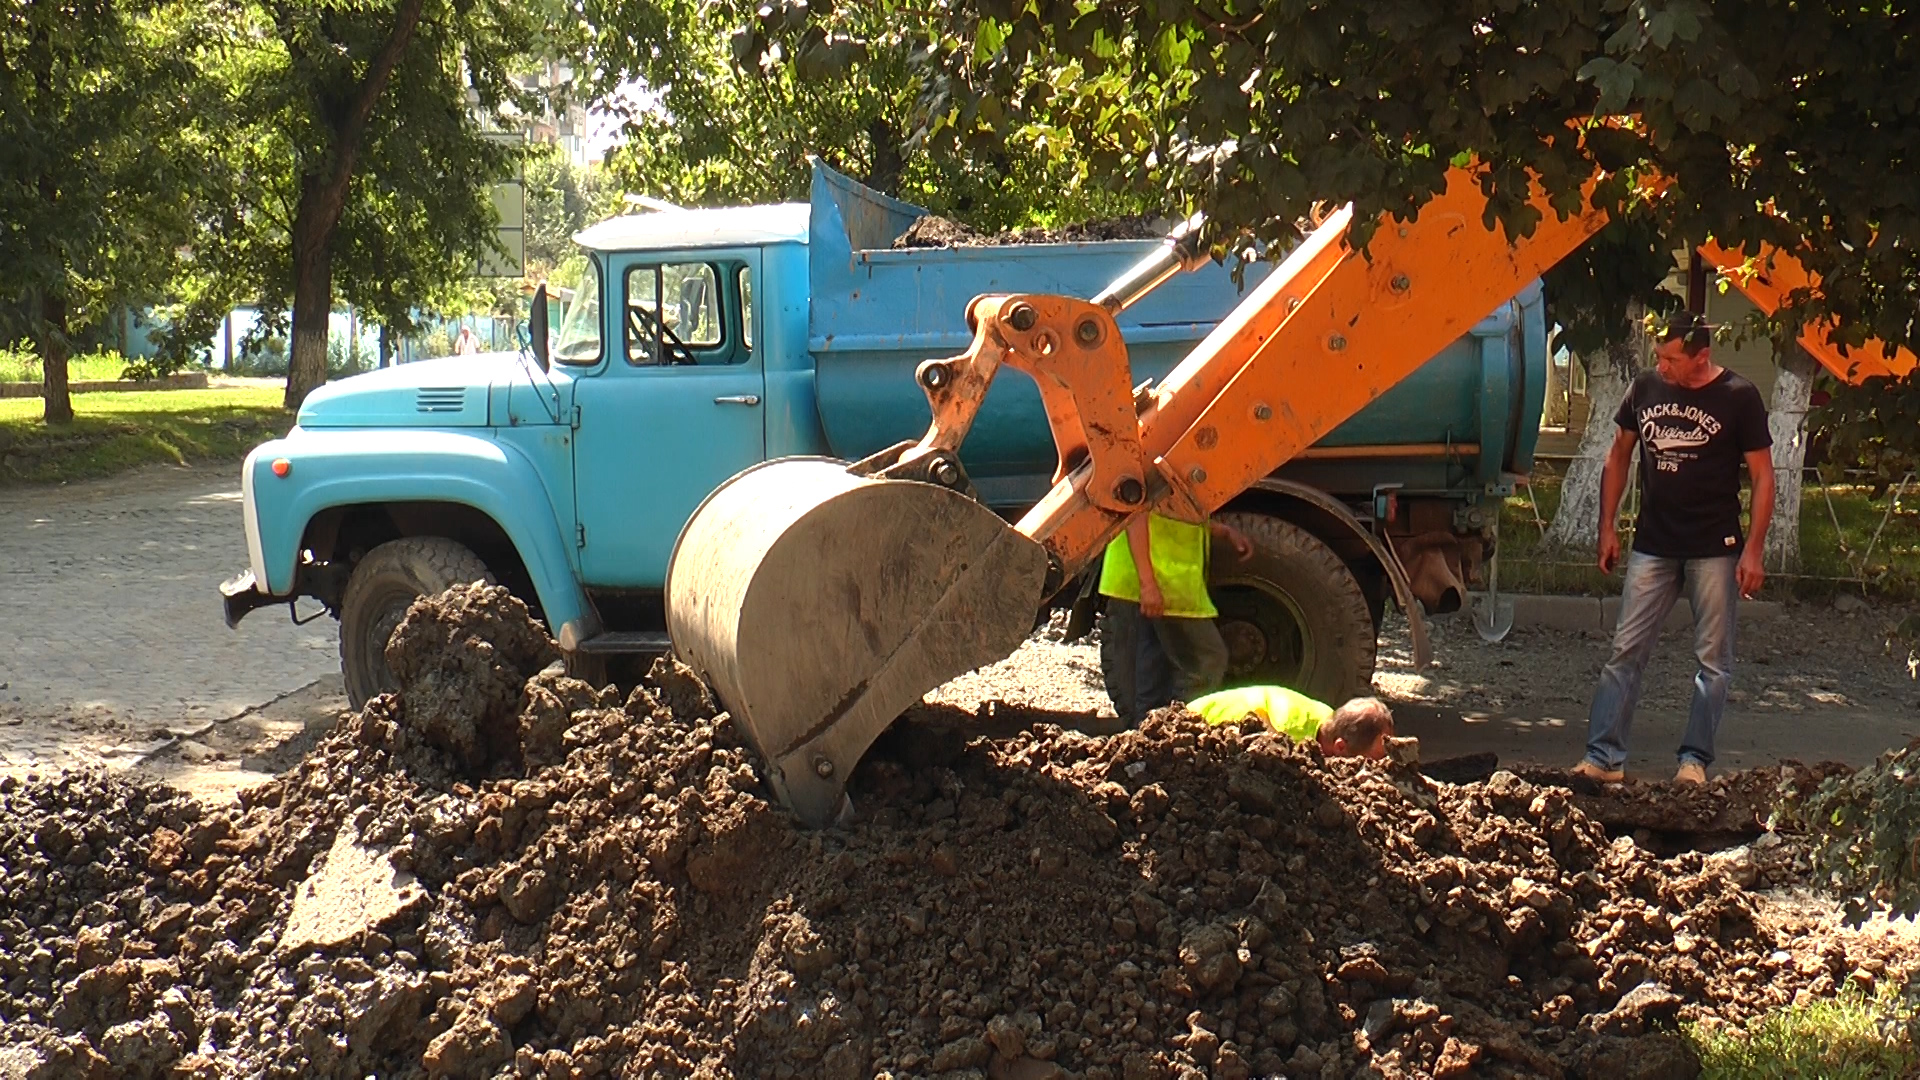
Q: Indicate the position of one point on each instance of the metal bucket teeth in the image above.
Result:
(820, 605)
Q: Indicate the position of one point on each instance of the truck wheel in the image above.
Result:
(1292, 613)
(391, 577)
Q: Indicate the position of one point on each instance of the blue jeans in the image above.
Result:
(1150, 663)
(1654, 584)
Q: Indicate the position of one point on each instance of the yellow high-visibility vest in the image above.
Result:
(1288, 712)
(1179, 551)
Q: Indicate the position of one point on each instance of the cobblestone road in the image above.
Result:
(110, 623)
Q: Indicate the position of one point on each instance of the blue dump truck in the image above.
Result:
(697, 343)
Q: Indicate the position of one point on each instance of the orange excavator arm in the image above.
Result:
(1316, 342)
(1776, 275)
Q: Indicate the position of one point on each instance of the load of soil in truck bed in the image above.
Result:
(934, 231)
(504, 871)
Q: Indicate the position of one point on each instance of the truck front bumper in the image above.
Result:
(241, 594)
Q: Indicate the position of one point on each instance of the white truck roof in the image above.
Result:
(731, 226)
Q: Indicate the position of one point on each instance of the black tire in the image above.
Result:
(1292, 614)
(391, 577)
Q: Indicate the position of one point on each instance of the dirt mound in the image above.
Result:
(1663, 815)
(934, 231)
(597, 886)
(461, 663)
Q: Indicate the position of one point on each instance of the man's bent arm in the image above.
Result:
(1760, 468)
(1613, 478)
(1140, 546)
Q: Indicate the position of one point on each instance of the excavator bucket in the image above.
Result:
(819, 605)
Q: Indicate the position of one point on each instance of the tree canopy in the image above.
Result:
(96, 168)
(735, 101)
(362, 156)
(1771, 120)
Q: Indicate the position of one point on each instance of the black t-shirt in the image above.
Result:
(1691, 446)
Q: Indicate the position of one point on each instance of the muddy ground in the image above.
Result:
(1810, 683)
(503, 871)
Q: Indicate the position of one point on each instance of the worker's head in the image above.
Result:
(1360, 728)
(1685, 348)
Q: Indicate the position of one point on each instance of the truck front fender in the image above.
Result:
(325, 469)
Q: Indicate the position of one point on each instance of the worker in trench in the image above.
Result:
(1359, 728)
(1159, 643)
(1693, 423)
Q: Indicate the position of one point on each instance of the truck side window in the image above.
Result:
(673, 315)
(746, 307)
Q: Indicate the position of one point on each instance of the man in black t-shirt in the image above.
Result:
(1693, 423)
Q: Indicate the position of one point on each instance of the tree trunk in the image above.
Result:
(386, 347)
(312, 304)
(323, 198)
(1787, 419)
(57, 400)
(1576, 524)
(888, 160)
(53, 359)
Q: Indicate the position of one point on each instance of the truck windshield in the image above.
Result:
(578, 288)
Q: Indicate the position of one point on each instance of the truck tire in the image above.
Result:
(383, 584)
(1292, 614)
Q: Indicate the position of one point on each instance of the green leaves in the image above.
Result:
(1871, 427)
(1614, 79)
(1679, 20)
(742, 95)
(1866, 831)
(97, 173)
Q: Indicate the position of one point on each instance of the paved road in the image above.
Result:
(110, 623)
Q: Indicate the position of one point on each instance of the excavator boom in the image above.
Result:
(1774, 276)
(822, 599)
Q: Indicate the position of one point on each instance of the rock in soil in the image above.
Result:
(605, 889)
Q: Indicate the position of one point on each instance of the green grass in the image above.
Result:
(113, 432)
(1830, 561)
(1834, 1039)
(97, 366)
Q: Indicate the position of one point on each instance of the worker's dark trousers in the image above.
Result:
(1148, 664)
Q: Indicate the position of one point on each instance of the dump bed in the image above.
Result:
(877, 312)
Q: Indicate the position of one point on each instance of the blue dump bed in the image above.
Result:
(877, 312)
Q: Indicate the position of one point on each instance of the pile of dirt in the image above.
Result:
(1730, 809)
(579, 884)
(934, 231)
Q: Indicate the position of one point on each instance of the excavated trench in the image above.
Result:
(1730, 811)
(505, 872)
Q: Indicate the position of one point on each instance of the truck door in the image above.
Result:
(675, 409)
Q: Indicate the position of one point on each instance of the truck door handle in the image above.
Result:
(738, 399)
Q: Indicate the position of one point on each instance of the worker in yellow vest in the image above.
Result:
(1360, 728)
(1159, 642)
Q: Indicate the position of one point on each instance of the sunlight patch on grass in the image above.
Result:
(1852, 1037)
(18, 366)
(113, 432)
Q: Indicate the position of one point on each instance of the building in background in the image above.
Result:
(563, 122)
